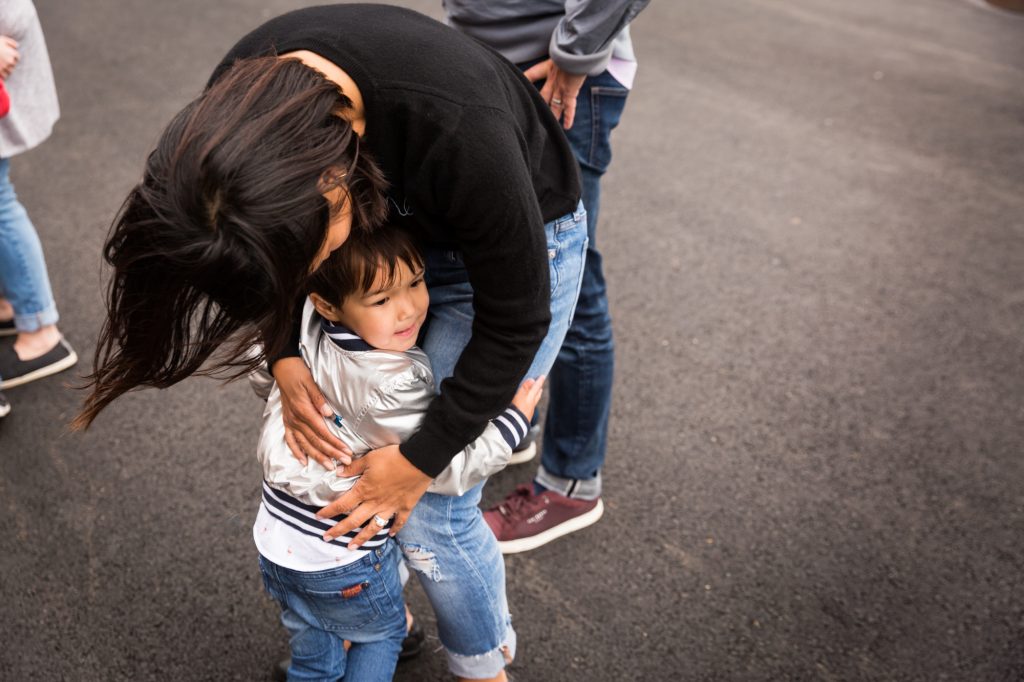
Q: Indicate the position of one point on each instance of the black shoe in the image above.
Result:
(5, 407)
(14, 371)
(412, 645)
(280, 671)
(7, 328)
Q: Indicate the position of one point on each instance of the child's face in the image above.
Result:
(389, 319)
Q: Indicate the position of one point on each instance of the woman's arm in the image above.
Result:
(482, 185)
(490, 453)
(485, 456)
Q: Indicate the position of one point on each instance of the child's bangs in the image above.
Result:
(365, 263)
(387, 248)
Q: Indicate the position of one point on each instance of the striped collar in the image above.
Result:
(343, 337)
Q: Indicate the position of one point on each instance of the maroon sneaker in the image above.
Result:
(525, 521)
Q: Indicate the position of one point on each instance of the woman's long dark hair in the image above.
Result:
(211, 251)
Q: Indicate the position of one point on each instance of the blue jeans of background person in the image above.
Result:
(579, 385)
(360, 602)
(446, 541)
(23, 278)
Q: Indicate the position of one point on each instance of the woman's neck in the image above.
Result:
(356, 114)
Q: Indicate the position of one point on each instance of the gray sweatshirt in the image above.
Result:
(579, 35)
(34, 107)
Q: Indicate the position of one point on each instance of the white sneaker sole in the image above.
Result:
(5, 409)
(524, 455)
(56, 367)
(570, 526)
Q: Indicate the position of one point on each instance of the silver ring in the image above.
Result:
(380, 521)
(556, 101)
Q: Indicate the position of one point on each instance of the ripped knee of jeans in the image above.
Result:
(421, 560)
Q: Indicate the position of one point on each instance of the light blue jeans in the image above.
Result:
(360, 602)
(23, 278)
(446, 542)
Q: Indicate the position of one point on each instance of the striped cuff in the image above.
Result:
(513, 426)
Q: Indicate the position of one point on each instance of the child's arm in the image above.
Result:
(490, 453)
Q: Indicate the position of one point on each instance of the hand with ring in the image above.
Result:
(388, 488)
(559, 90)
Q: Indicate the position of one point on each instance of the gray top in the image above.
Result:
(34, 107)
(579, 35)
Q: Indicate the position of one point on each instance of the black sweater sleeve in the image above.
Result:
(483, 187)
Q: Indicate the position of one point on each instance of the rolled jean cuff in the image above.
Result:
(33, 322)
(484, 666)
(576, 488)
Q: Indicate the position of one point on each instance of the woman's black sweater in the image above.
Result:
(475, 161)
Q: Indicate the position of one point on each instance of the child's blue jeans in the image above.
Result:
(360, 602)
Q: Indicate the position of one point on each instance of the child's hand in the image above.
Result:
(528, 396)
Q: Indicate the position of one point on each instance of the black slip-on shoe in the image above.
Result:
(7, 328)
(14, 371)
(412, 645)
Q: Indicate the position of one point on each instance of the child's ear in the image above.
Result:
(325, 309)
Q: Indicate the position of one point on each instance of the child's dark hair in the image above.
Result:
(211, 250)
(353, 267)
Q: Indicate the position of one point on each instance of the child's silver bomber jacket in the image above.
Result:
(380, 398)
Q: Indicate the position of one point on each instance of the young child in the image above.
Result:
(366, 305)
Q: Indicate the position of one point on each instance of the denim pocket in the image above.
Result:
(567, 251)
(353, 597)
(607, 103)
(350, 602)
(553, 264)
(598, 109)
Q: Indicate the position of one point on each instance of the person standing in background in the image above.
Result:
(27, 308)
(580, 55)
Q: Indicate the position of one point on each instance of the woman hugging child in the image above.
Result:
(366, 305)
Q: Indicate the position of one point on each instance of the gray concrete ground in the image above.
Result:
(814, 229)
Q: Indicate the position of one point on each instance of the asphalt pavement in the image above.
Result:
(813, 231)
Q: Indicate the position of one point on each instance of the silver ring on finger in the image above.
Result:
(556, 101)
(380, 520)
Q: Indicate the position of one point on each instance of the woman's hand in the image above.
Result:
(304, 408)
(389, 485)
(9, 56)
(560, 89)
(528, 395)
